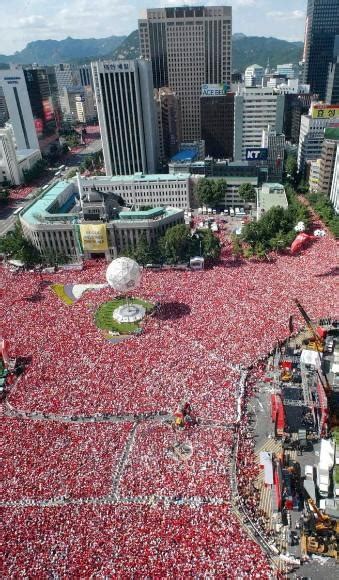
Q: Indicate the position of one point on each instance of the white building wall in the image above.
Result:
(9, 168)
(334, 196)
(19, 108)
(160, 191)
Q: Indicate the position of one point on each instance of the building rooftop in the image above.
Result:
(136, 177)
(39, 209)
(142, 215)
(185, 155)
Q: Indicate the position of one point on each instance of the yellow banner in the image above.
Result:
(325, 112)
(94, 237)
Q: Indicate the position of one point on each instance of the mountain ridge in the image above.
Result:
(246, 50)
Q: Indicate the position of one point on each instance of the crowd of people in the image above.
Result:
(210, 325)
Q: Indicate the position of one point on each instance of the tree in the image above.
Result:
(210, 192)
(247, 192)
(176, 244)
(291, 167)
(15, 245)
(143, 252)
(211, 247)
(4, 195)
(237, 249)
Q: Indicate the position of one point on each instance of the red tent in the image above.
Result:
(300, 242)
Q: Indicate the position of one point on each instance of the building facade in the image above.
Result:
(169, 122)
(314, 173)
(188, 47)
(127, 116)
(43, 95)
(78, 104)
(4, 116)
(334, 195)
(14, 162)
(217, 124)
(254, 76)
(58, 223)
(332, 88)
(327, 163)
(322, 25)
(14, 87)
(275, 143)
(312, 135)
(161, 190)
(254, 110)
(296, 105)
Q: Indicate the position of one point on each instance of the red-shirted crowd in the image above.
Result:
(98, 482)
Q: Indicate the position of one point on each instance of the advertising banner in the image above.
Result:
(257, 154)
(325, 111)
(94, 237)
(215, 90)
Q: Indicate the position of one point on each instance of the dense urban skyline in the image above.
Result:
(39, 20)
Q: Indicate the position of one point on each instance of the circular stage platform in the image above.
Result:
(129, 313)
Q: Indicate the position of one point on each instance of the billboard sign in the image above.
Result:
(216, 90)
(93, 237)
(325, 111)
(257, 154)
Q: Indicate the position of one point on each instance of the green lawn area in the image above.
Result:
(104, 315)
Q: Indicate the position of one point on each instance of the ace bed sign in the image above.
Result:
(257, 154)
(214, 90)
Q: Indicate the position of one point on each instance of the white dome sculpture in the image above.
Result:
(123, 274)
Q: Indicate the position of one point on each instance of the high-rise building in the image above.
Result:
(13, 84)
(217, 122)
(254, 110)
(312, 134)
(169, 122)
(67, 75)
(275, 144)
(322, 25)
(127, 118)
(287, 70)
(43, 95)
(77, 104)
(327, 160)
(188, 47)
(334, 195)
(254, 75)
(332, 89)
(296, 105)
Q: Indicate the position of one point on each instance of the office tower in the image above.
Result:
(217, 121)
(312, 133)
(322, 25)
(275, 144)
(13, 84)
(254, 75)
(169, 122)
(77, 104)
(286, 70)
(332, 89)
(327, 160)
(254, 109)
(296, 105)
(85, 74)
(67, 75)
(127, 119)
(188, 47)
(42, 91)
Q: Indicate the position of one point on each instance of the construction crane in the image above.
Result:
(317, 342)
(324, 523)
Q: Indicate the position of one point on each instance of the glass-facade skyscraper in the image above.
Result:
(322, 25)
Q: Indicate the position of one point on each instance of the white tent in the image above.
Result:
(311, 357)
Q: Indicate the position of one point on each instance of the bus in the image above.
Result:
(61, 168)
(18, 210)
(57, 174)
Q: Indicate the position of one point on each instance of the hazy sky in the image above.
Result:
(25, 20)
